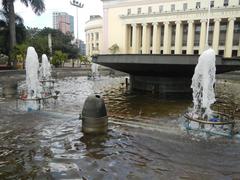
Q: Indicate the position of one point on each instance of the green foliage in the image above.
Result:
(60, 42)
(38, 38)
(3, 59)
(58, 58)
(114, 48)
(19, 52)
(8, 6)
(4, 31)
(84, 59)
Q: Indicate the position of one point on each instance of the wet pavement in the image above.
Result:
(145, 139)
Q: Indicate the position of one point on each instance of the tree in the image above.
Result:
(58, 58)
(38, 38)
(19, 53)
(114, 48)
(84, 60)
(4, 32)
(8, 5)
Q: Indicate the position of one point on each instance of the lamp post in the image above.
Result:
(77, 4)
(208, 22)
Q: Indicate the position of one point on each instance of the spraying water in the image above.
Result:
(32, 66)
(203, 82)
(94, 69)
(45, 69)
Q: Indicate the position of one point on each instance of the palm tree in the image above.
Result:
(4, 32)
(8, 5)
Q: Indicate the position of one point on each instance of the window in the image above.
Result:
(151, 36)
(236, 34)
(149, 10)
(97, 36)
(173, 35)
(211, 4)
(92, 36)
(197, 34)
(184, 6)
(185, 32)
(88, 37)
(225, 3)
(162, 35)
(198, 5)
(172, 7)
(221, 52)
(131, 36)
(97, 46)
(161, 8)
(210, 33)
(195, 52)
(139, 10)
(223, 31)
(128, 11)
(234, 53)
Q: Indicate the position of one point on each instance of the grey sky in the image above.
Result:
(91, 7)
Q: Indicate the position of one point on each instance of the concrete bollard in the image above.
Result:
(94, 115)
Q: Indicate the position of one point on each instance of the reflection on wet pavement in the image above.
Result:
(49, 144)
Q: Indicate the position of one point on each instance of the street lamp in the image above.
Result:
(208, 22)
(77, 4)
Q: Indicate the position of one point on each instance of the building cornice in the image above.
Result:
(188, 13)
(93, 27)
(122, 3)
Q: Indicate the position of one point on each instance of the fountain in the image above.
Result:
(45, 69)
(95, 73)
(203, 82)
(32, 81)
(202, 117)
(39, 85)
(46, 80)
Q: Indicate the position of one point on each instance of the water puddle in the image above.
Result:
(144, 140)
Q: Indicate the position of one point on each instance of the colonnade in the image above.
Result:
(144, 33)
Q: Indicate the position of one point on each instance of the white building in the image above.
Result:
(170, 26)
(94, 35)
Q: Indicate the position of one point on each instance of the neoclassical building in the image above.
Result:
(94, 35)
(170, 26)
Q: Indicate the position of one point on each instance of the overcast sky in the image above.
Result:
(91, 7)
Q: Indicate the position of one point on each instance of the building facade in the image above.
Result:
(94, 35)
(82, 47)
(170, 26)
(63, 22)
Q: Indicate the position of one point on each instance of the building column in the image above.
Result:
(156, 38)
(134, 39)
(203, 35)
(166, 39)
(178, 37)
(125, 39)
(190, 37)
(144, 38)
(229, 38)
(160, 37)
(216, 34)
(105, 31)
(238, 54)
(148, 38)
